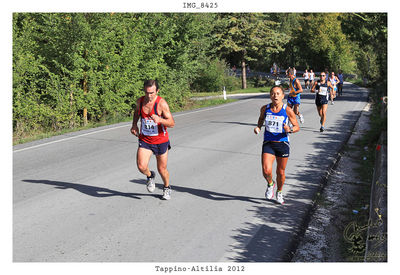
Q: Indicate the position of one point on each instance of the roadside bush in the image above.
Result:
(232, 83)
(214, 77)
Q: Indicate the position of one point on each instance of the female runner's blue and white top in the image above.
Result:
(274, 130)
(333, 81)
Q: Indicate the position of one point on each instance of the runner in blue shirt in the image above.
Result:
(276, 116)
(295, 90)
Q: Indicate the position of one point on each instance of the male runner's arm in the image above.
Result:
(299, 88)
(135, 129)
(293, 120)
(166, 118)
(260, 120)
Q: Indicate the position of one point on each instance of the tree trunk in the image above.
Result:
(244, 83)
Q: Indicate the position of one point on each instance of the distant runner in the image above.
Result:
(321, 98)
(306, 76)
(153, 136)
(276, 140)
(334, 81)
(312, 75)
(293, 99)
(340, 85)
(287, 71)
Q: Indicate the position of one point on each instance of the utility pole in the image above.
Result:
(85, 121)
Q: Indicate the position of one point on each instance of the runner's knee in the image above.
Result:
(162, 168)
(267, 171)
(280, 172)
(142, 166)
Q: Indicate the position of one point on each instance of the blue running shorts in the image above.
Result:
(157, 149)
(279, 149)
(293, 100)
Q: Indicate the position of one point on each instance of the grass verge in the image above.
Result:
(241, 91)
(189, 105)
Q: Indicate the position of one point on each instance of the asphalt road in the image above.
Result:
(79, 197)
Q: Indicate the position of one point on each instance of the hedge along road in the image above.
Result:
(80, 197)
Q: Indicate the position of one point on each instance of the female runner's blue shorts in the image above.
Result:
(279, 149)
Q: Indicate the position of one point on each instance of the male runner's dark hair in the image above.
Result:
(149, 83)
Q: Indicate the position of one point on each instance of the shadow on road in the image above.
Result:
(93, 191)
(101, 192)
(270, 241)
(206, 194)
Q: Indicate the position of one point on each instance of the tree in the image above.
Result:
(289, 24)
(369, 32)
(247, 37)
(320, 43)
(74, 68)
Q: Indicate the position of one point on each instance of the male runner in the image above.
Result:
(312, 75)
(293, 99)
(153, 136)
(306, 76)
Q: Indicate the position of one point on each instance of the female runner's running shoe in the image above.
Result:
(279, 197)
(269, 193)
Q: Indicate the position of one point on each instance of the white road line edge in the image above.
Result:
(113, 128)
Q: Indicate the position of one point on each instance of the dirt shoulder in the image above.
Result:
(337, 229)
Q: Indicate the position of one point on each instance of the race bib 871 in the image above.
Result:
(274, 124)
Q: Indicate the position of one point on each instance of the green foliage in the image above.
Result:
(321, 43)
(65, 64)
(245, 37)
(369, 32)
(214, 77)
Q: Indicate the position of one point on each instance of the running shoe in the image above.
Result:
(269, 193)
(332, 103)
(322, 129)
(151, 186)
(301, 118)
(166, 193)
(279, 197)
